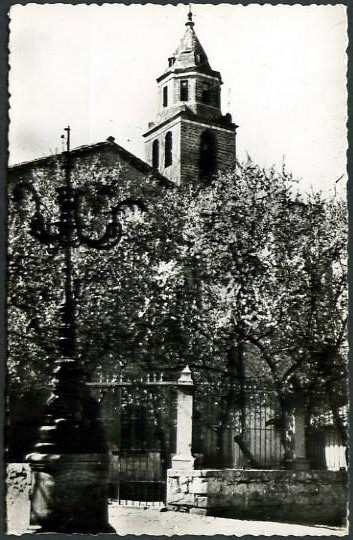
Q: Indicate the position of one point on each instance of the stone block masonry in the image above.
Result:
(303, 497)
(190, 149)
(18, 490)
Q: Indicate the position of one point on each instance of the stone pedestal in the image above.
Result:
(70, 460)
(69, 493)
(183, 458)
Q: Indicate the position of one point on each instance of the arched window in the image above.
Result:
(168, 156)
(155, 154)
(208, 154)
(165, 96)
(217, 97)
(206, 93)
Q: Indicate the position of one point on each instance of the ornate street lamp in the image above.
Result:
(70, 460)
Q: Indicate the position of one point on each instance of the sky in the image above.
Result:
(95, 68)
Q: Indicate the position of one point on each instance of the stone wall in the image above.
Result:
(311, 497)
(172, 172)
(18, 486)
(190, 148)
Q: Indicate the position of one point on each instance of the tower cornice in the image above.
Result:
(220, 123)
(196, 70)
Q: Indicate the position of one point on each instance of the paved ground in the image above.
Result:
(134, 520)
(131, 520)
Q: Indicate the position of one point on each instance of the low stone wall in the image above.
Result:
(308, 497)
(18, 487)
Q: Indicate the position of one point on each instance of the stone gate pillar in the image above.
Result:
(300, 460)
(183, 458)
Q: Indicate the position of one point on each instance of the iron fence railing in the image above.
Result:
(237, 424)
(234, 426)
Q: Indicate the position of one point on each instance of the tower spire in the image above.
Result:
(190, 22)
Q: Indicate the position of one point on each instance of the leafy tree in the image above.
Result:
(241, 277)
(109, 286)
(274, 283)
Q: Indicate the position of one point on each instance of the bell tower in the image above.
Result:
(190, 139)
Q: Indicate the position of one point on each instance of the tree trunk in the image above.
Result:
(235, 397)
(287, 435)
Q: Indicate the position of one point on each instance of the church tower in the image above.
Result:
(190, 139)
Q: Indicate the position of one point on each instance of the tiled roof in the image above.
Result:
(186, 54)
(126, 156)
(190, 55)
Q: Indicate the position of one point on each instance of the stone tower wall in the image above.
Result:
(199, 110)
(190, 149)
(173, 171)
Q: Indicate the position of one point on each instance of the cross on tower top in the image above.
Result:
(190, 22)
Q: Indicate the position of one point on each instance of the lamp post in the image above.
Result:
(70, 461)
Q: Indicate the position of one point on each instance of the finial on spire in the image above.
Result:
(190, 21)
(67, 136)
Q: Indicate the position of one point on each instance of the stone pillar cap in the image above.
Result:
(185, 376)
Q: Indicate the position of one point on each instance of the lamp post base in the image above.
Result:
(69, 493)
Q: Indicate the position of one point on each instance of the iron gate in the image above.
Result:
(140, 422)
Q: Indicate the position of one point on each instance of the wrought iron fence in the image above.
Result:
(235, 426)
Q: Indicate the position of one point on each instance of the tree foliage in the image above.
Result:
(243, 276)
